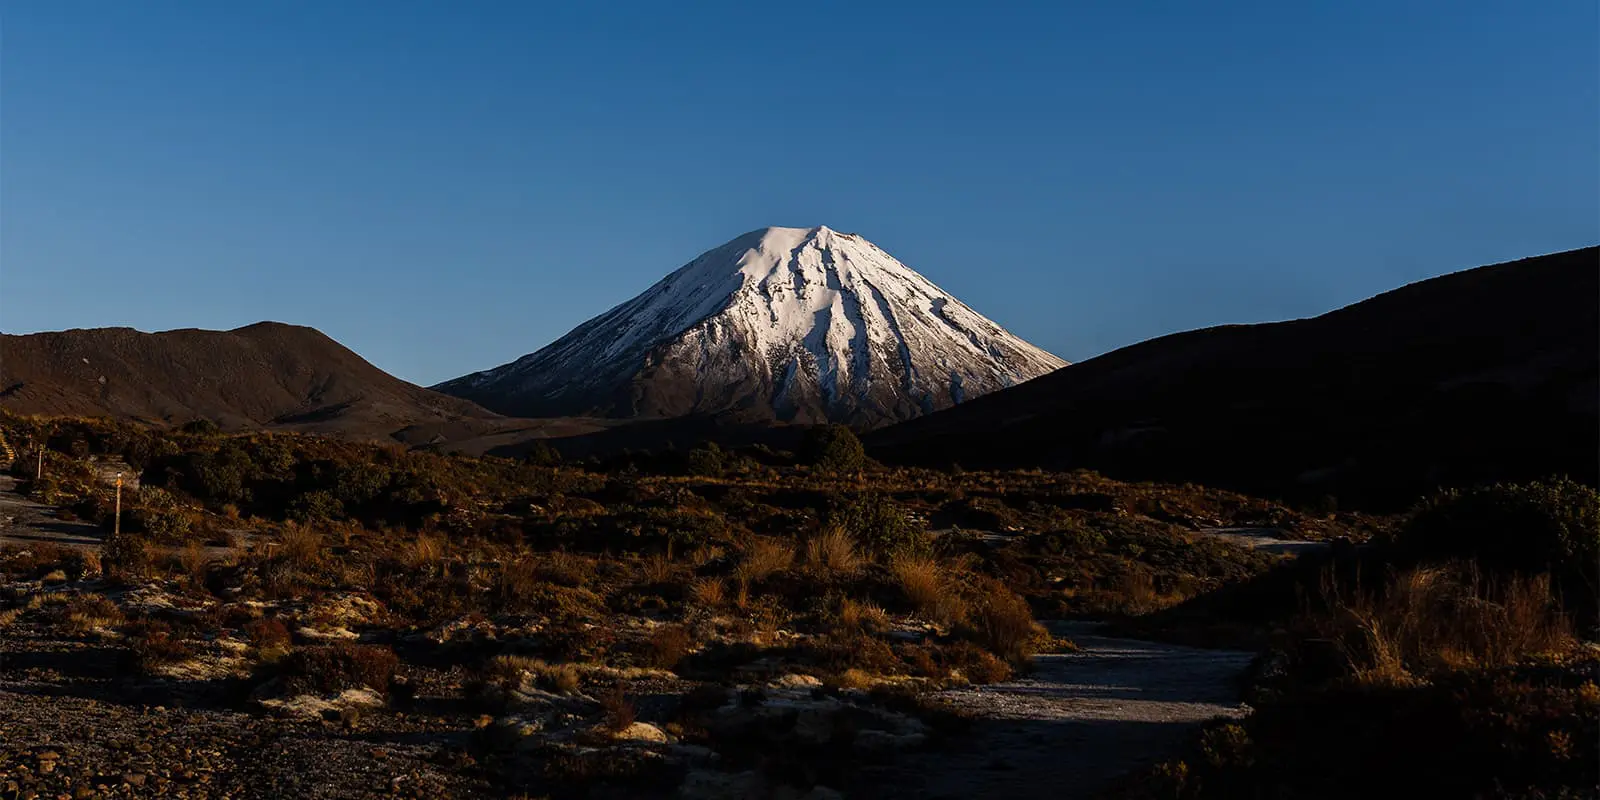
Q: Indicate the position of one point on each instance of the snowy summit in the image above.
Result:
(798, 324)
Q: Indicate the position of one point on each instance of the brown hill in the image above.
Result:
(259, 376)
(1490, 373)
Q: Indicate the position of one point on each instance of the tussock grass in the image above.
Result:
(508, 671)
(1439, 618)
(859, 615)
(708, 592)
(1003, 623)
(928, 588)
(300, 545)
(832, 550)
(762, 558)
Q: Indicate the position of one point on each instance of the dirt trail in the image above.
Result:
(24, 522)
(1266, 540)
(1079, 720)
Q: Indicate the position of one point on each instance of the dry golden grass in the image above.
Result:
(566, 569)
(1436, 618)
(657, 569)
(832, 550)
(194, 561)
(852, 679)
(300, 545)
(1004, 623)
(703, 555)
(859, 615)
(85, 613)
(426, 553)
(763, 557)
(708, 592)
(508, 671)
(927, 587)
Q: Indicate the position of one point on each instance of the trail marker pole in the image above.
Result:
(116, 527)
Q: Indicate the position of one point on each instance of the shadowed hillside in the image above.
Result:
(1490, 373)
(263, 375)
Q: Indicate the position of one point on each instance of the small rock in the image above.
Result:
(796, 681)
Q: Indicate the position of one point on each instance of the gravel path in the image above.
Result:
(24, 522)
(1266, 540)
(1078, 721)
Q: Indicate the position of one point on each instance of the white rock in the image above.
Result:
(796, 681)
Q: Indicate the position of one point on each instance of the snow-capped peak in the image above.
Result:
(809, 323)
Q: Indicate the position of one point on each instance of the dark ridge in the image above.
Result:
(1487, 374)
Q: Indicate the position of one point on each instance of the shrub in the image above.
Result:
(708, 592)
(975, 664)
(269, 637)
(881, 527)
(667, 646)
(201, 427)
(541, 454)
(153, 644)
(619, 710)
(1530, 528)
(835, 449)
(331, 669)
(707, 460)
(127, 556)
(856, 615)
(316, 506)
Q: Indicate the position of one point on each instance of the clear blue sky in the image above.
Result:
(446, 186)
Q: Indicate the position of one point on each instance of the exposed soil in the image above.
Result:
(1078, 720)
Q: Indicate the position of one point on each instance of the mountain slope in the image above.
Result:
(264, 375)
(795, 324)
(1491, 373)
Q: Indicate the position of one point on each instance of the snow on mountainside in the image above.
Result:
(800, 324)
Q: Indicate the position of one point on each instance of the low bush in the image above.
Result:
(153, 644)
(881, 527)
(835, 449)
(667, 646)
(1543, 526)
(331, 669)
(269, 639)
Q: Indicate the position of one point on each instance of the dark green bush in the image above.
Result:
(880, 526)
(201, 427)
(1551, 525)
(707, 460)
(834, 448)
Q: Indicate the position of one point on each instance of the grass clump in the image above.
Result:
(833, 550)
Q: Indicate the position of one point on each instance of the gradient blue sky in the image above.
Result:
(446, 186)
